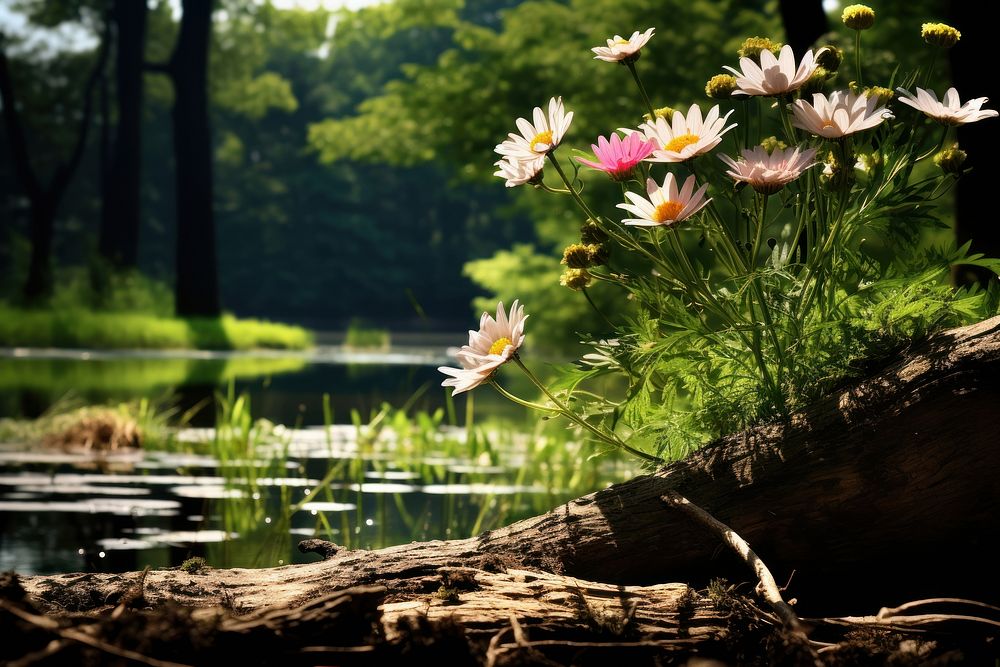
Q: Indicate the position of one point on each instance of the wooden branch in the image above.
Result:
(766, 585)
(72, 634)
(896, 611)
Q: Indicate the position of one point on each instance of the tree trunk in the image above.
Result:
(44, 200)
(977, 139)
(197, 289)
(119, 236)
(43, 217)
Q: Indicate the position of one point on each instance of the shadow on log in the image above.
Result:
(883, 492)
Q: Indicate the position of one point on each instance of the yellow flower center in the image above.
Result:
(681, 142)
(500, 345)
(667, 211)
(542, 138)
(621, 40)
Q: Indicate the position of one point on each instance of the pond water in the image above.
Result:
(246, 494)
(285, 387)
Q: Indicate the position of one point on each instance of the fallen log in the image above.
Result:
(883, 492)
(467, 616)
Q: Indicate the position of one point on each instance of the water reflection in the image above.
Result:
(62, 512)
(285, 387)
(244, 499)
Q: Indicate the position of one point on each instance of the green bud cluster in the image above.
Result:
(951, 160)
(662, 112)
(772, 143)
(883, 95)
(830, 57)
(816, 81)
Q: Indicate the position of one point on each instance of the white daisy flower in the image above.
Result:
(684, 137)
(619, 48)
(665, 206)
(769, 172)
(841, 114)
(496, 342)
(948, 111)
(774, 75)
(519, 172)
(539, 137)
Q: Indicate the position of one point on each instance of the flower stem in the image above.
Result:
(785, 112)
(520, 401)
(572, 416)
(596, 309)
(857, 54)
(555, 191)
(576, 195)
(930, 68)
(642, 91)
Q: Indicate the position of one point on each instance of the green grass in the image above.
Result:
(79, 328)
(362, 336)
(542, 455)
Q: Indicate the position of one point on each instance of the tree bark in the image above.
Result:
(197, 286)
(118, 241)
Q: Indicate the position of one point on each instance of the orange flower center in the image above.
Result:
(668, 211)
(542, 138)
(827, 123)
(500, 345)
(681, 142)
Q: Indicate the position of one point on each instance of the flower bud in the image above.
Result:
(883, 95)
(858, 17)
(830, 57)
(951, 160)
(940, 34)
(576, 279)
(870, 161)
(837, 175)
(771, 144)
(591, 233)
(816, 81)
(662, 112)
(597, 254)
(576, 256)
(721, 86)
(752, 46)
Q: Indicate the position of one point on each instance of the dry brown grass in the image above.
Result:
(98, 430)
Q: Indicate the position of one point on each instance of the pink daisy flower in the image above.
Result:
(618, 157)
